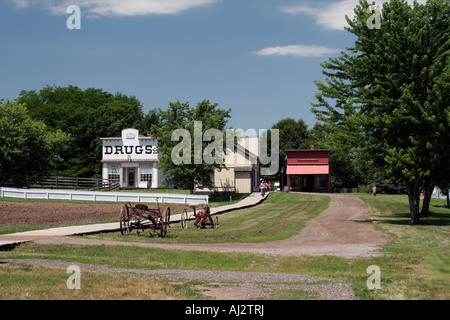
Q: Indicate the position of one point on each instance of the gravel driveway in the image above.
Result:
(228, 285)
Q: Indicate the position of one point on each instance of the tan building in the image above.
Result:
(241, 172)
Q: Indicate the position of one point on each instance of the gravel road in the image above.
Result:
(227, 285)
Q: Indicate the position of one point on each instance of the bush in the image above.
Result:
(364, 188)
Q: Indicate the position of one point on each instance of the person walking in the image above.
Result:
(374, 191)
(262, 187)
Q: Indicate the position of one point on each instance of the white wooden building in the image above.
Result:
(131, 159)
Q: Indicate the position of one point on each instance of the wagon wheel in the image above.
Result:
(124, 220)
(165, 221)
(184, 215)
(216, 223)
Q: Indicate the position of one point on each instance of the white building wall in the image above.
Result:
(131, 155)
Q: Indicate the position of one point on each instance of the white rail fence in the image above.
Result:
(439, 194)
(103, 196)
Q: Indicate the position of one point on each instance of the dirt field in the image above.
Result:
(53, 214)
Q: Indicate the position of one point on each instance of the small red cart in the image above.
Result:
(202, 218)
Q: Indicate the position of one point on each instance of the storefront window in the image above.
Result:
(321, 181)
(113, 173)
(146, 172)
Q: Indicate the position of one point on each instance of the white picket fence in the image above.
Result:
(133, 197)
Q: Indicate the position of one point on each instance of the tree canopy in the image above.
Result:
(183, 140)
(28, 148)
(85, 116)
(292, 134)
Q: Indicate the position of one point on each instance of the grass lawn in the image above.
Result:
(415, 264)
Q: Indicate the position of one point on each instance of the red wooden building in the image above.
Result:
(308, 170)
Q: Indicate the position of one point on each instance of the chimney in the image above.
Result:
(312, 146)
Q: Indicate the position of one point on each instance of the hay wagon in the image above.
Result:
(140, 218)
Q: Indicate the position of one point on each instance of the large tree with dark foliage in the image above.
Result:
(392, 91)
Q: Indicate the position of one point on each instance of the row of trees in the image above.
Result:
(84, 116)
(57, 131)
(347, 170)
(384, 108)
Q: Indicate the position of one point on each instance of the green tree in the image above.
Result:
(85, 116)
(108, 120)
(293, 134)
(392, 87)
(150, 119)
(28, 150)
(344, 171)
(175, 130)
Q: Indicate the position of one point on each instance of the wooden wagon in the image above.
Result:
(140, 218)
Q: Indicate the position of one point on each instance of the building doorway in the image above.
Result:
(308, 183)
(295, 183)
(131, 178)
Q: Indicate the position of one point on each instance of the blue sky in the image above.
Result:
(258, 57)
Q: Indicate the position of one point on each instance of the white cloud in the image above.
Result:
(331, 15)
(297, 51)
(119, 7)
(21, 3)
